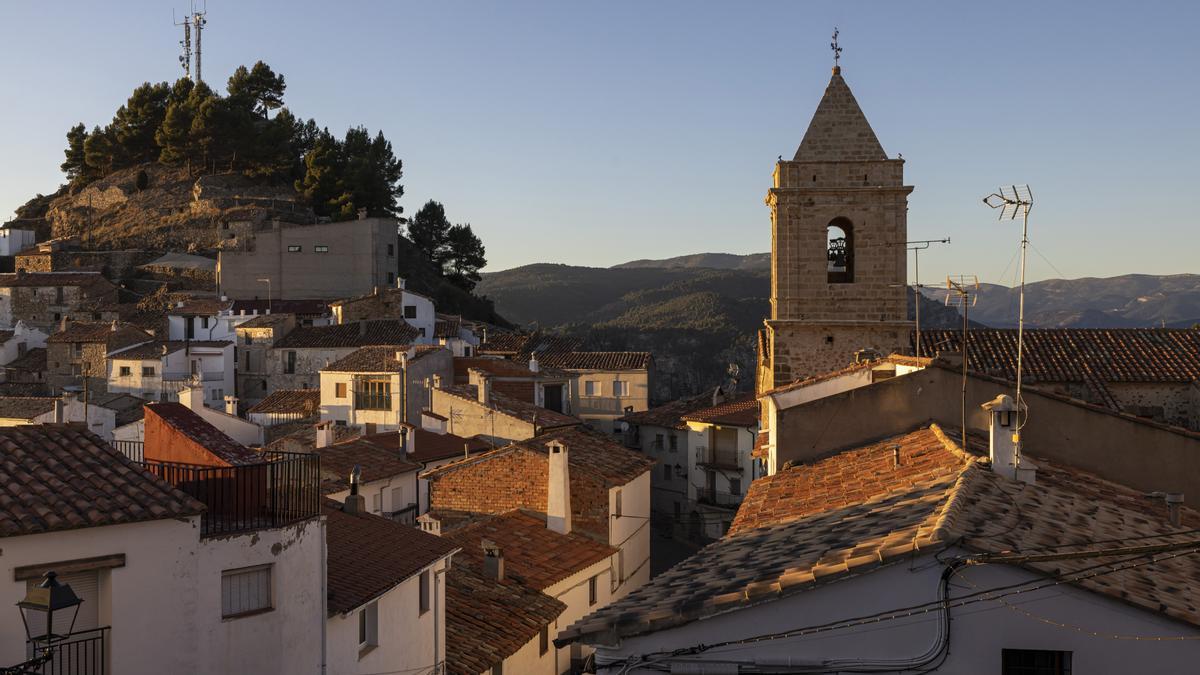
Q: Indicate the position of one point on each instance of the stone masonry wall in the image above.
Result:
(1168, 402)
(801, 349)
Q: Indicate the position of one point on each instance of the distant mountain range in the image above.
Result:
(716, 261)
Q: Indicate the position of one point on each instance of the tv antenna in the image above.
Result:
(916, 247)
(1011, 200)
(963, 292)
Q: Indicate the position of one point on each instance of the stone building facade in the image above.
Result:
(80, 351)
(838, 260)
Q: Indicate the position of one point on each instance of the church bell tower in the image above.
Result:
(838, 258)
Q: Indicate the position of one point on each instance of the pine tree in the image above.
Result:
(98, 152)
(137, 122)
(258, 89)
(465, 257)
(429, 231)
(74, 166)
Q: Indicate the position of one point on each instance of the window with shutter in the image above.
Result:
(245, 591)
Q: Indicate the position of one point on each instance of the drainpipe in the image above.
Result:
(325, 594)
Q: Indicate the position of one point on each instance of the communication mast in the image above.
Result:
(193, 20)
(198, 22)
(185, 59)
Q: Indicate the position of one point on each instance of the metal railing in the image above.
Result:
(406, 515)
(185, 376)
(134, 450)
(284, 488)
(81, 653)
(715, 498)
(725, 458)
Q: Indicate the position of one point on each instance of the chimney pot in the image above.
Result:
(1004, 440)
(324, 435)
(484, 390)
(533, 363)
(493, 560)
(558, 494)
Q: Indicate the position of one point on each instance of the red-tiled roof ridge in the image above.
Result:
(898, 359)
(670, 415)
(740, 411)
(514, 407)
(285, 401)
(375, 462)
(378, 358)
(202, 432)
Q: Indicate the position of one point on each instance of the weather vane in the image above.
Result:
(837, 51)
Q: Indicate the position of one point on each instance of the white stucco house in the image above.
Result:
(17, 342)
(381, 387)
(159, 370)
(14, 240)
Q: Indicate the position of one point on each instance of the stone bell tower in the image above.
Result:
(838, 259)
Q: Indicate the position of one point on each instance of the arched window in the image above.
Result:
(840, 242)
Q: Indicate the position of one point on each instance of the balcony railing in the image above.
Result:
(184, 376)
(603, 405)
(406, 515)
(283, 489)
(134, 450)
(715, 498)
(721, 458)
(365, 400)
(81, 653)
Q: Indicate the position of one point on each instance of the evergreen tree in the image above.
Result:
(320, 184)
(137, 122)
(464, 257)
(74, 166)
(258, 89)
(175, 136)
(429, 231)
(98, 152)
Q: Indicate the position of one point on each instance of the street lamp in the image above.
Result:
(42, 604)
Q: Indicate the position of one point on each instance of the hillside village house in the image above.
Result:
(720, 462)
(388, 303)
(325, 261)
(548, 388)
(255, 337)
(43, 299)
(159, 370)
(430, 446)
(456, 335)
(27, 373)
(387, 478)
(101, 415)
(295, 360)
(80, 350)
(308, 312)
(476, 410)
(569, 517)
(13, 240)
(380, 388)
(170, 581)
(284, 406)
(202, 319)
(17, 342)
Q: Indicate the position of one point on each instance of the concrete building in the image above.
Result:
(327, 261)
(255, 338)
(389, 303)
(923, 524)
(160, 370)
(170, 581)
(79, 351)
(477, 410)
(380, 388)
(43, 299)
(838, 277)
(13, 240)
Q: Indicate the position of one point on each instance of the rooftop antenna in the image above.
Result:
(916, 247)
(963, 292)
(1011, 200)
(185, 59)
(837, 51)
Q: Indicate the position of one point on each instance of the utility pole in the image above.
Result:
(963, 292)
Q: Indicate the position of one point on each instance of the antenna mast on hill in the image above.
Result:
(963, 293)
(194, 19)
(198, 21)
(1012, 200)
(185, 59)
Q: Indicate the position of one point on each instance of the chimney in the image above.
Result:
(484, 389)
(429, 524)
(231, 405)
(192, 397)
(400, 283)
(178, 304)
(1004, 440)
(437, 381)
(493, 560)
(362, 214)
(533, 364)
(62, 325)
(58, 411)
(408, 439)
(558, 493)
(355, 503)
(1174, 502)
(324, 434)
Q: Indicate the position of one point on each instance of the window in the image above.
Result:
(339, 390)
(674, 442)
(498, 669)
(76, 369)
(23, 348)
(620, 388)
(204, 322)
(126, 371)
(218, 394)
(658, 441)
(666, 471)
(249, 339)
(410, 311)
(735, 486)
(391, 250)
(245, 591)
(58, 296)
(1035, 662)
(591, 388)
(391, 278)
(840, 252)
(147, 371)
(424, 581)
(320, 248)
(294, 248)
(373, 394)
(368, 626)
(467, 351)
(544, 640)
(264, 385)
(592, 591)
(678, 511)
(376, 502)
(87, 586)
(289, 362)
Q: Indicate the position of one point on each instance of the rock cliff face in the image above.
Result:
(170, 210)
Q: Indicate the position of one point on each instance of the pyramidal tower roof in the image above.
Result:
(839, 131)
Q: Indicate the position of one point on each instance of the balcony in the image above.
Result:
(79, 653)
(132, 449)
(714, 498)
(184, 376)
(718, 458)
(601, 405)
(283, 489)
(367, 400)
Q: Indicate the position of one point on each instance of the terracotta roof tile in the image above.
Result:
(514, 407)
(429, 446)
(375, 461)
(360, 334)
(488, 621)
(42, 279)
(25, 407)
(200, 307)
(82, 331)
(202, 433)
(33, 360)
(160, 348)
(54, 477)
(378, 359)
(740, 411)
(504, 343)
(447, 327)
(302, 402)
(369, 555)
(578, 360)
(670, 415)
(266, 320)
(534, 555)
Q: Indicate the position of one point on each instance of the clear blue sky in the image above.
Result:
(594, 134)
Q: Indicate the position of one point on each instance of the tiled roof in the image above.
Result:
(82, 331)
(896, 359)
(447, 327)
(369, 555)
(303, 402)
(429, 446)
(488, 621)
(499, 368)
(588, 451)
(670, 415)
(202, 433)
(504, 343)
(1075, 354)
(160, 348)
(40, 279)
(513, 407)
(24, 389)
(856, 511)
(534, 555)
(378, 332)
(34, 360)
(128, 408)
(741, 411)
(6, 335)
(265, 320)
(298, 307)
(597, 360)
(56, 477)
(379, 359)
(200, 307)
(25, 407)
(376, 463)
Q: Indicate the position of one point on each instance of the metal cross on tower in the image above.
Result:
(837, 50)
